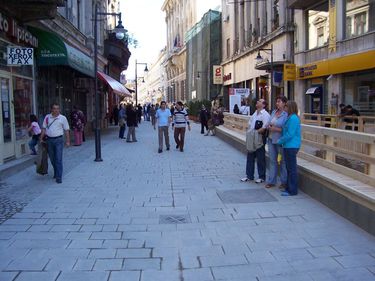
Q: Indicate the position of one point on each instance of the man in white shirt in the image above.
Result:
(54, 127)
(245, 109)
(258, 121)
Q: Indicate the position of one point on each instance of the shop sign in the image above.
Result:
(244, 92)
(289, 72)
(218, 74)
(227, 77)
(11, 29)
(20, 56)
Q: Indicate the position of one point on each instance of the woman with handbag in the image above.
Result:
(276, 122)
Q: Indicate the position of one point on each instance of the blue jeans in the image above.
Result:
(273, 151)
(55, 153)
(33, 142)
(291, 167)
(260, 155)
(121, 133)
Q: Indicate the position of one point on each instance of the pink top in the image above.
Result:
(36, 128)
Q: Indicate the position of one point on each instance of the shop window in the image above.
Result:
(22, 95)
(360, 17)
(318, 26)
(360, 92)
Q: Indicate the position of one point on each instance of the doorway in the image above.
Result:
(7, 118)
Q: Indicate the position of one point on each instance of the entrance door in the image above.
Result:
(7, 119)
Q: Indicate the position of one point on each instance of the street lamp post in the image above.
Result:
(259, 59)
(136, 79)
(120, 34)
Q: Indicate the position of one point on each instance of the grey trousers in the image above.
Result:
(131, 132)
(163, 130)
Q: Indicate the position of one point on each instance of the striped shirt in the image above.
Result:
(180, 118)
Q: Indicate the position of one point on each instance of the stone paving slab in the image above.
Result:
(104, 222)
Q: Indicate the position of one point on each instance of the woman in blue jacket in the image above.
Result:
(291, 142)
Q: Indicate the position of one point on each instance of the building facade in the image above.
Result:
(203, 51)
(61, 34)
(154, 89)
(18, 82)
(180, 17)
(250, 28)
(334, 55)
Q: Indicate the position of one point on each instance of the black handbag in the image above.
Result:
(258, 124)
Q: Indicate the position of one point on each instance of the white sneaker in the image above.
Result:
(245, 179)
(259, 181)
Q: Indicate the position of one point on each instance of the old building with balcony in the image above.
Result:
(334, 55)
(180, 17)
(251, 28)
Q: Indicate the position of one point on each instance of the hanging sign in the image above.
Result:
(218, 74)
(20, 56)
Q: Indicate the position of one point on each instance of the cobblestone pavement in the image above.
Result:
(15, 195)
(144, 216)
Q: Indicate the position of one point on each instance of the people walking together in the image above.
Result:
(77, 120)
(180, 120)
(122, 121)
(55, 125)
(131, 122)
(275, 151)
(256, 129)
(291, 142)
(163, 115)
(35, 131)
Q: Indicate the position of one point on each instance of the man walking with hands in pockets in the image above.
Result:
(54, 127)
(180, 119)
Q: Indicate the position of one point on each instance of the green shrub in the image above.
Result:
(195, 106)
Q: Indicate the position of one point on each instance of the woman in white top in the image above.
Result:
(34, 130)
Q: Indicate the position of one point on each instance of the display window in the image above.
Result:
(23, 104)
(359, 89)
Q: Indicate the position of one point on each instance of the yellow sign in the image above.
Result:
(332, 26)
(343, 64)
(289, 72)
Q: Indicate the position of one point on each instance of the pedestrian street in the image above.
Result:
(141, 215)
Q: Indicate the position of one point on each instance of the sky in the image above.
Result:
(146, 22)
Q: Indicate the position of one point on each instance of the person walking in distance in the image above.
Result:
(203, 118)
(34, 131)
(180, 120)
(163, 115)
(153, 116)
(132, 122)
(55, 125)
(77, 120)
(122, 121)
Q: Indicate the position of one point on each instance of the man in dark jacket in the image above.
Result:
(203, 118)
(131, 122)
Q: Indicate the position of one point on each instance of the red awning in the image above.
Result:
(116, 86)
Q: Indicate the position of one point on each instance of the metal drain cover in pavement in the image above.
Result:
(245, 196)
(174, 219)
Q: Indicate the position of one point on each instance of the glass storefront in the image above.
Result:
(359, 91)
(23, 101)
